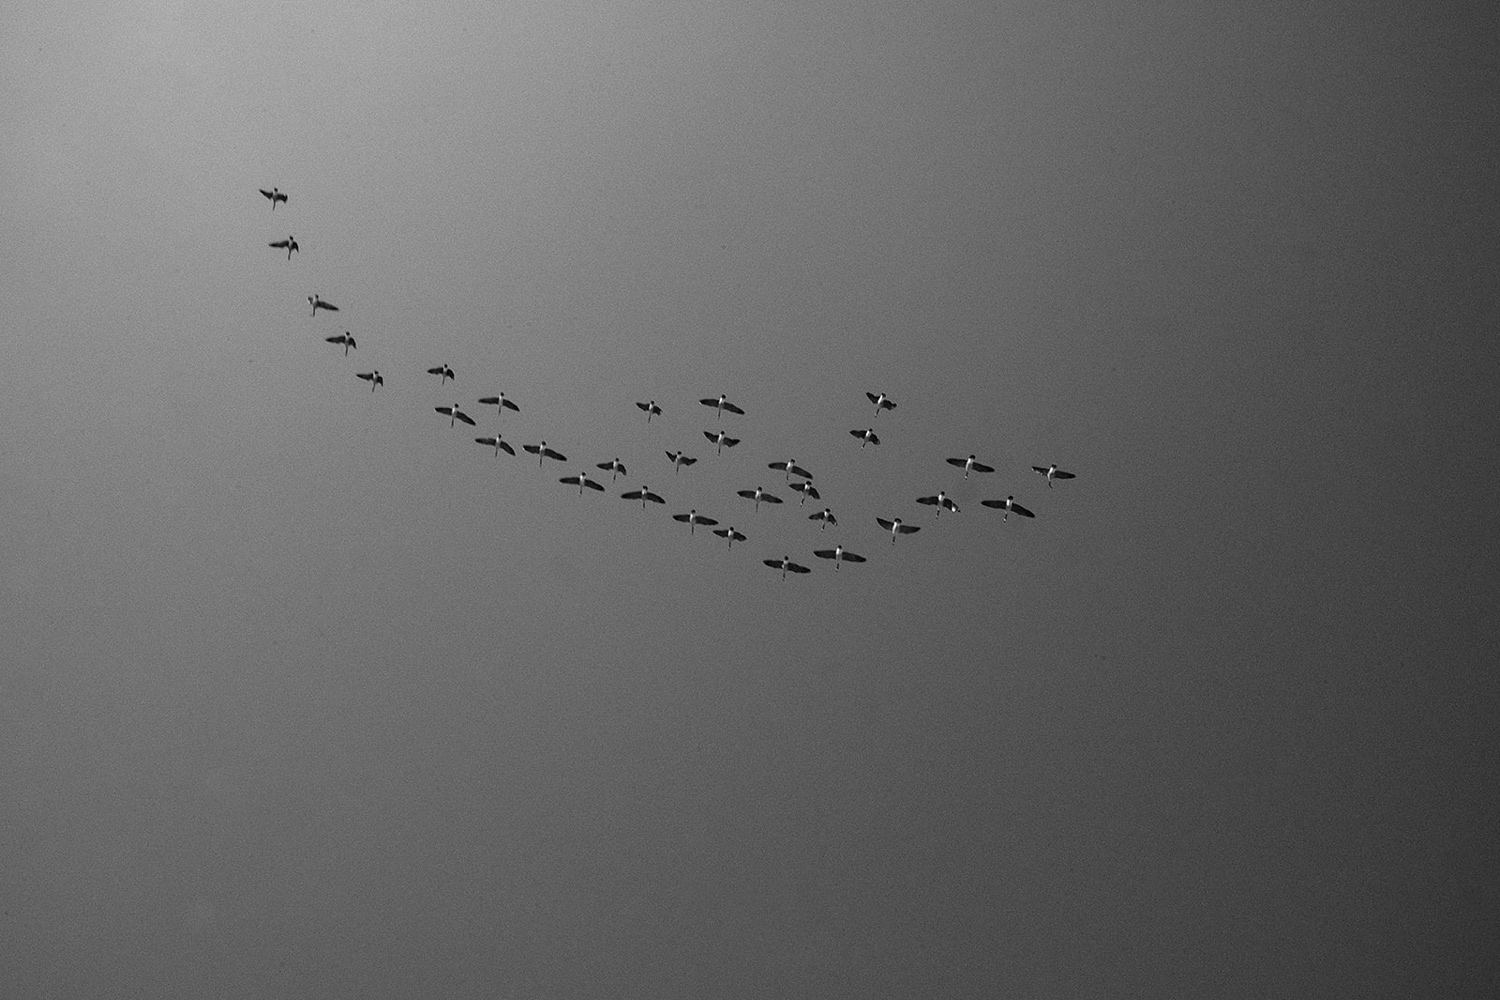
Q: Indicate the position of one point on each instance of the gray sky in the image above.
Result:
(306, 694)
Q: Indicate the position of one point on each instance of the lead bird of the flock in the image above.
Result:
(722, 404)
(443, 372)
(731, 534)
(275, 194)
(345, 339)
(498, 443)
(613, 467)
(882, 402)
(692, 519)
(679, 460)
(758, 495)
(807, 490)
(1051, 472)
(499, 402)
(541, 451)
(1008, 505)
(785, 563)
(838, 554)
(867, 436)
(721, 441)
(371, 377)
(791, 468)
(895, 527)
(643, 494)
(652, 410)
(826, 516)
(289, 245)
(581, 480)
(970, 464)
(316, 301)
(454, 414)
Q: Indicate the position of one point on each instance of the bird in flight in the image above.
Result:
(785, 563)
(613, 467)
(895, 527)
(679, 460)
(692, 519)
(807, 490)
(731, 534)
(722, 404)
(941, 502)
(318, 303)
(791, 468)
(1052, 472)
(826, 516)
(866, 437)
(499, 402)
(443, 372)
(1008, 505)
(541, 451)
(722, 440)
(372, 377)
(581, 480)
(643, 494)
(968, 464)
(289, 245)
(838, 554)
(498, 443)
(345, 339)
(651, 409)
(758, 495)
(882, 402)
(454, 414)
(275, 195)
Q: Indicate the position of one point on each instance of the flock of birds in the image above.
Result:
(720, 439)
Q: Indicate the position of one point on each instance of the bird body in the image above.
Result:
(679, 460)
(643, 494)
(969, 464)
(692, 519)
(895, 527)
(826, 516)
(498, 443)
(1008, 505)
(721, 440)
(581, 480)
(454, 414)
(499, 402)
(882, 402)
(372, 377)
(838, 554)
(758, 495)
(867, 436)
(289, 245)
(317, 303)
(541, 451)
(731, 534)
(614, 468)
(444, 373)
(722, 404)
(942, 502)
(1051, 472)
(807, 490)
(784, 564)
(345, 339)
(275, 195)
(791, 468)
(651, 409)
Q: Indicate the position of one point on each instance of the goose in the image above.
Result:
(882, 402)
(941, 502)
(807, 490)
(643, 494)
(454, 414)
(895, 527)
(541, 451)
(791, 468)
(969, 463)
(275, 195)
(722, 440)
(344, 339)
(692, 519)
(317, 303)
(443, 372)
(826, 516)
(1008, 505)
(289, 245)
(838, 555)
(731, 534)
(581, 480)
(785, 563)
(1052, 472)
(499, 402)
(679, 460)
(498, 443)
(652, 410)
(866, 437)
(721, 404)
(614, 468)
(372, 377)
(758, 495)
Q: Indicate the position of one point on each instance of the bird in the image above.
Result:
(882, 402)
(807, 490)
(731, 534)
(498, 443)
(826, 516)
(1052, 472)
(318, 303)
(289, 245)
(692, 519)
(679, 460)
(895, 527)
(643, 494)
(969, 463)
(275, 195)
(614, 468)
(443, 372)
(372, 377)
(651, 409)
(581, 480)
(454, 414)
(838, 555)
(785, 563)
(722, 440)
(345, 339)
(941, 502)
(866, 437)
(499, 402)
(1008, 505)
(721, 404)
(758, 495)
(541, 451)
(791, 468)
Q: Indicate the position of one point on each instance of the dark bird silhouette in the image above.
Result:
(722, 440)
(498, 443)
(679, 460)
(968, 464)
(722, 405)
(454, 414)
(838, 555)
(882, 402)
(541, 451)
(1052, 472)
(289, 245)
(692, 519)
(826, 516)
(895, 527)
(731, 534)
(317, 303)
(758, 495)
(372, 377)
(613, 467)
(941, 502)
(785, 563)
(275, 195)
(345, 339)
(643, 494)
(1008, 505)
(807, 490)
(791, 468)
(443, 372)
(581, 480)
(866, 437)
(651, 409)
(500, 403)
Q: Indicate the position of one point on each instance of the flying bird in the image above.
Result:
(443, 372)
(826, 516)
(731, 534)
(1008, 505)
(722, 440)
(651, 409)
(882, 402)
(275, 195)
(1052, 472)
(372, 377)
(581, 480)
(345, 339)
(289, 245)
(722, 404)
(499, 402)
(791, 468)
(866, 437)
(541, 451)
(807, 490)
(613, 467)
(785, 563)
(941, 502)
(679, 460)
(318, 303)
(692, 519)
(758, 495)
(454, 414)
(838, 555)
(498, 443)
(643, 494)
(895, 527)
(968, 464)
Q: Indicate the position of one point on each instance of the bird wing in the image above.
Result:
(509, 405)
(643, 407)
(907, 529)
(279, 244)
(461, 415)
(731, 442)
(489, 401)
(873, 398)
(335, 340)
(874, 438)
(446, 411)
(681, 517)
(688, 461)
(654, 498)
(555, 454)
(632, 495)
(823, 553)
(798, 470)
(1040, 469)
(773, 563)
(570, 480)
(593, 485)
(706, 520)
(325, 305)
(770, 498)
(711, 436)
(927, 500)
(958, 462)
(532, 449)
(709, 402)
(734, 409)
(722, 532)
(486, 441)
(851, 557)
(885, 522)
(367, 376)
(267, 193)
(795, 568)
(983, 468)
(435, 371)
(747, 494)
(812, 491)
(1021, 510)
(858, 434)
(1063, 475)
(888, 405)
(779, 466)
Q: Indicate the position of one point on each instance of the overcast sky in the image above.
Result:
(304, 693)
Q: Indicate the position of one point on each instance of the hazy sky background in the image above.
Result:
(306, 694)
